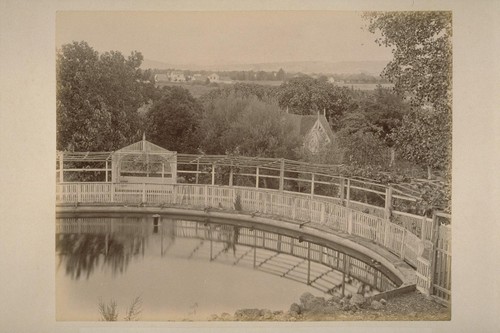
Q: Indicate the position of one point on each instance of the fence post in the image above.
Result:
(312, 185)
(174, 194)
(282, 175)
(433, 252)
(388, 202)
(78, 195)
(257, 177)
(213, 174)
(322, 217)
(61, 167)
(206, 195)
(403, 245)
(143, 192)
(231, 175)
(349, 221)
(348, 192)
(342, 190)
(112, 192)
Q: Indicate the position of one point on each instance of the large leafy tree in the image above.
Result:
(422, 53)
(384, 111)
(305, 96)
(263, 130)
(97, 98)
(247, 126)
(421, 69)
(173, 120)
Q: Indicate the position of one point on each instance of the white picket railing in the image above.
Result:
(295, 206)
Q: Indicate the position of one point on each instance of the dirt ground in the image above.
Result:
(407, 307)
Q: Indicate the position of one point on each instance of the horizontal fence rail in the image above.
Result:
(294, 206)
(417, 240)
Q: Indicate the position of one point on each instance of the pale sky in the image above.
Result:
(225, 37)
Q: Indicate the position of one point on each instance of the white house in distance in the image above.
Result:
(213, 77)
(177, 77)
(161, 78)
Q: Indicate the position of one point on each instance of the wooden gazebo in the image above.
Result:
(140, 162)
(144, 162)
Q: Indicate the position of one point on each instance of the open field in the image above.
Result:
(364, 86)
(196, 90)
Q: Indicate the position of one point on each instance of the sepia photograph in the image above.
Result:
(224, 165)
(249, 166)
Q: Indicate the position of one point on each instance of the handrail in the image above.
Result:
(294, 206)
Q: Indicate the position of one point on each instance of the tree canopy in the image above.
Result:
(247, 126)
(305, 96)
(173, 120)
(421, 69)
(97, 98)
(422, 53)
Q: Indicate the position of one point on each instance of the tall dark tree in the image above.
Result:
(172, 120)
(97, 98)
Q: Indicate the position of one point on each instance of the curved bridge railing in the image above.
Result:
(297, 207)
(431, 258)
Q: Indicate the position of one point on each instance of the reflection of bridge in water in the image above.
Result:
(321, 267)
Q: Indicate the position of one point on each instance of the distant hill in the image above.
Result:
(307, 67)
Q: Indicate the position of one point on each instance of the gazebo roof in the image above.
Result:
(143, 146)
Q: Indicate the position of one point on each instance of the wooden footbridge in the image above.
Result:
(148, 178)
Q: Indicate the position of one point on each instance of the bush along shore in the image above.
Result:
(410, 306)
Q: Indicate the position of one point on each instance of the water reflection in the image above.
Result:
(84, 245)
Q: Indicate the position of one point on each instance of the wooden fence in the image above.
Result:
(407, 239)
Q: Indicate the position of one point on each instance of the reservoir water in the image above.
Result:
(189, 270)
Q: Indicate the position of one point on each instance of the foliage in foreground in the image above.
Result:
(109, 312)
